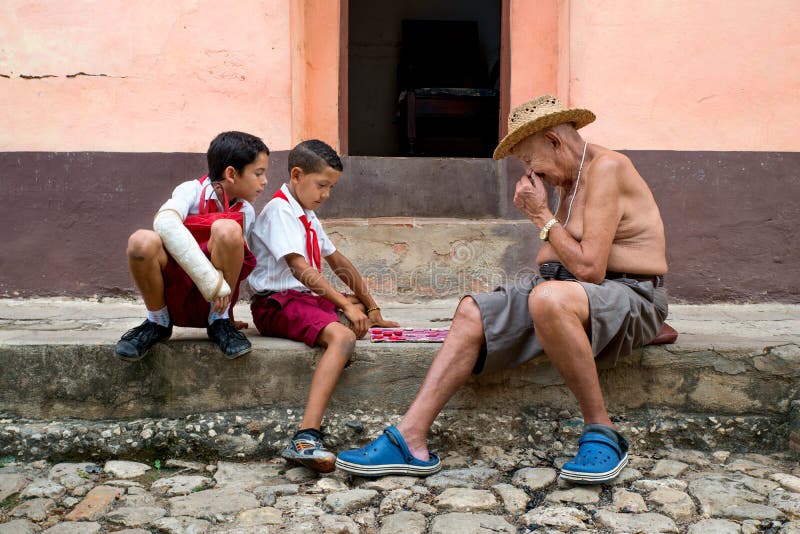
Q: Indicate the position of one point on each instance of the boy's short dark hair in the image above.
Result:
(232, 149)
(314, 156)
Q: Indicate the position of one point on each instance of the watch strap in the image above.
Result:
(545, 232)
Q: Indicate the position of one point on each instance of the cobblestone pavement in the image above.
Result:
(492, 490)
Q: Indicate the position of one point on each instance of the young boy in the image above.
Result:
(293, 300)
(189, 283)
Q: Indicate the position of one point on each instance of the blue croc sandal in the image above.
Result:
(387, 455)
(602, 454)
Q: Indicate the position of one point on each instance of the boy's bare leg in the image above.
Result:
(146, 260)
(339, 343)
(226, 246)
(449, 371)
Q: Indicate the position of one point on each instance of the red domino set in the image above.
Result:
(407, 335)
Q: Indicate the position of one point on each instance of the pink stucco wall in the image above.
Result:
(538, 31)
(142, 76)
(680, 75)
(315, 65)
(167, 76)
(688, 75)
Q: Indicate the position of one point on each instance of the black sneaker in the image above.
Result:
(306, 448)
(232, 342)
(137, 341)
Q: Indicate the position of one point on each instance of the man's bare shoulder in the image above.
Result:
(610, 162)
(608, 170)
(615, 167)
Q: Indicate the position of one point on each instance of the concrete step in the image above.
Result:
(732, 362)
(412, 258)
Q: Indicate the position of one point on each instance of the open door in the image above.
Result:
(387, 106)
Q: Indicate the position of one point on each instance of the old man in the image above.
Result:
(599, 292)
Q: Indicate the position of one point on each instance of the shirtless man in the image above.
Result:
(599, 292)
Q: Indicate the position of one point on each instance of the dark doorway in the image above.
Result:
(423, 77)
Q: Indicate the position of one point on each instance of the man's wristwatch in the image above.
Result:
(546, 229)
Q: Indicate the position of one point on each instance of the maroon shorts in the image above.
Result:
(296, 315)
(186, 305)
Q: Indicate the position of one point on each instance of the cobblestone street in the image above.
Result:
(494, 490)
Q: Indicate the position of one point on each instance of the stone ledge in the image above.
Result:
(84, 380)
(57, 360)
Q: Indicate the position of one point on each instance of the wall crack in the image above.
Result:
(42, 76)
(88, 74)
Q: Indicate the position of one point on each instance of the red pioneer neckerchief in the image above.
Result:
(312, 243)
(207, 206)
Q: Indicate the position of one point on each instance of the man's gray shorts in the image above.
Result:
(625, 314)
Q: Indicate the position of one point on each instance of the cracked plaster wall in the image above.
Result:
(142, 76)
(166, 76)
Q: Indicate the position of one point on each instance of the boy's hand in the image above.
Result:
(376, 319)
(239, 325)
(220, 303)
(359, 320)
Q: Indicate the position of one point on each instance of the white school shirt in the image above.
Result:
(277, 232)
(186, 201)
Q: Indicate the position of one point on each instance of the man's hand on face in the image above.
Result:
(530, 197)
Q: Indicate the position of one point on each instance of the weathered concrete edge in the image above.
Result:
(262, 433)
(794, 427)
(184, 377)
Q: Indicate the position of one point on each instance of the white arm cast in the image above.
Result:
(179, 242)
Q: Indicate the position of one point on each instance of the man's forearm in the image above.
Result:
(571, 254)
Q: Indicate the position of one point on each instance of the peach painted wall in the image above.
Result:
(315, 68)
(167, 76)
(537, 31)
(689, 75)
(142, 76)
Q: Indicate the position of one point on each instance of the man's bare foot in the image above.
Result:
(418, 445)
(605, 421)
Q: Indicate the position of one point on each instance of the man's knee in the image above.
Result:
(467, 322)
(469, 312)
(554, 301)
(144, 245)
(227, 232)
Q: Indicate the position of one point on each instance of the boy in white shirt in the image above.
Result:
(293, 300)
(189, 283)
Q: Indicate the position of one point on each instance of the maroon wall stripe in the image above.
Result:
(730, 217)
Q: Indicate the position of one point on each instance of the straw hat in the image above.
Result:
(536, 115)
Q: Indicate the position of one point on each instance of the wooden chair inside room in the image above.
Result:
(448, 104)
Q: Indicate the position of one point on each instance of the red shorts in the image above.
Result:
(186, 305)
(296, 315)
